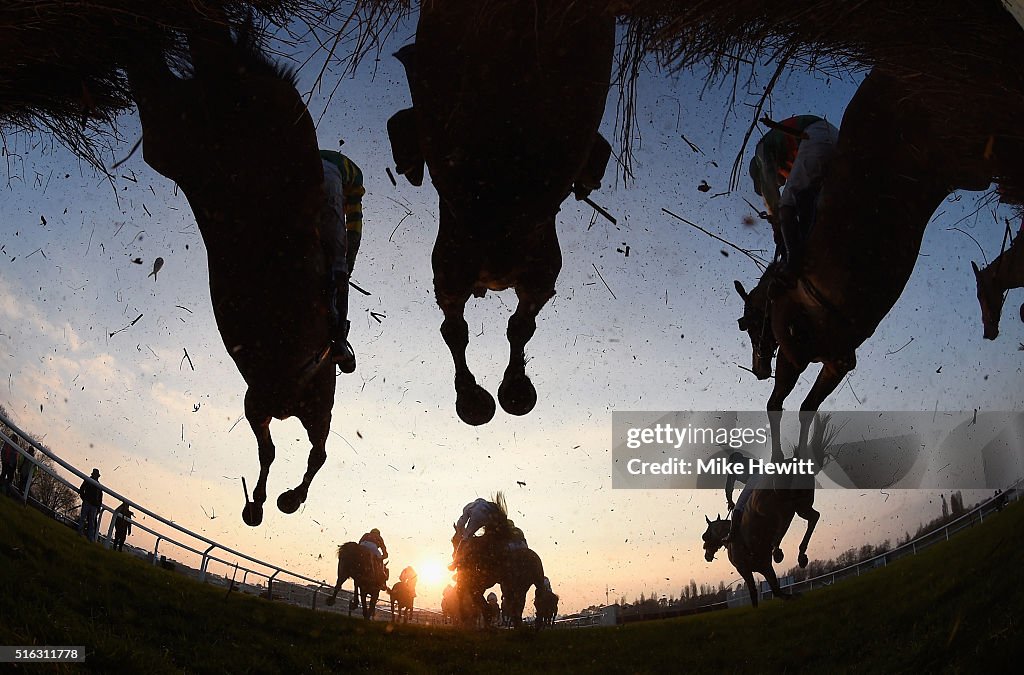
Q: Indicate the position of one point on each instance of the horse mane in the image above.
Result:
(247, 46)
(499, 501)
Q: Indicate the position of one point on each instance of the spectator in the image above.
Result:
(9, 458)
(26, 471)
(122, 525)
(92, 500)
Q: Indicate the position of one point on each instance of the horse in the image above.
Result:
(766, 519)
(888, 175)
(450, 604)
(546, 605)
(355, 562)
(403, 593)
(235, 135)
(507, 100)
(489, 561)
(999, 276)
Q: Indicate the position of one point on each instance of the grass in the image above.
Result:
(956, 607)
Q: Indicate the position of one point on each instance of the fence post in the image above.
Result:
(270, 584)
(206, 562)
(110, 531)
(156, 560)
(946, 530)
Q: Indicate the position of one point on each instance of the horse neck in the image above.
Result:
(882, 186)
(861, 261)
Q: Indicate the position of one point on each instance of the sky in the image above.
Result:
(104, 392)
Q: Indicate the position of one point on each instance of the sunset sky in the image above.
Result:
(399, 458)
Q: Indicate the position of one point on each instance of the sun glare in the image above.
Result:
(432, 571)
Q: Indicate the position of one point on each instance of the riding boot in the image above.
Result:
(734, 528)
(341, 350)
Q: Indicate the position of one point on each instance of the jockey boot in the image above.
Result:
(734, 528)
(341, 350)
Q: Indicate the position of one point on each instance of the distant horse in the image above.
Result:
(489, 561)
(355, 562)
(403, 594)
(450, 604)
(546, 605)
(238, 140)
(1002, 274)
(507, 100)
(765, 521)
(888, 175)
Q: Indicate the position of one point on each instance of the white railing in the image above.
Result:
(270, 571)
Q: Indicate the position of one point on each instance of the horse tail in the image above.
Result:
(499, 501)
(341, 546)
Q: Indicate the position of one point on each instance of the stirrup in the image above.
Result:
(344, 357)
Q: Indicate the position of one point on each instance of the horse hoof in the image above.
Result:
(289, 501)
(802, 560)
(517, 395)
(778, 556)
(475, 406)
(252, 514)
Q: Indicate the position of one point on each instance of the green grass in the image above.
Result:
(956, 607)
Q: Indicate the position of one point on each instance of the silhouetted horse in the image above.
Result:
(1002, 274)
(489, 561)
(766, 519)
(546, 605)
(236, 137)
(890, 171)
(403, 595)
(507, 99)
(355, 562)
(450, 604)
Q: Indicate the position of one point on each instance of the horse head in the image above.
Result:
(991, 304)
(757, 323)
(714, 536)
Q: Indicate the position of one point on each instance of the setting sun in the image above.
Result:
(432, 572)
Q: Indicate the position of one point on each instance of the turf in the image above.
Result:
(957, 607)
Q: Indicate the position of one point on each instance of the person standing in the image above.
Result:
(92, 500)
(122, 525)
(9, 460)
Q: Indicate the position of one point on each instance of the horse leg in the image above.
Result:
(773, 581)
(342, 578)
(516, 393)
(808, 513)
(748, 579)
(259, 420)
(786, 376)
(831, 375)
(317, 429)
(473, 403)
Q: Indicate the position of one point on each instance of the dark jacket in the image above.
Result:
(91, 493)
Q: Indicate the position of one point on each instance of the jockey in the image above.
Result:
(475, 515)
(750, 482)
(795, 153)
(373, 541)
(343, 182)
